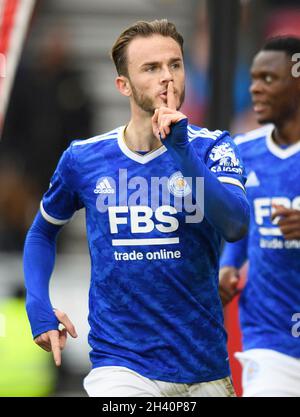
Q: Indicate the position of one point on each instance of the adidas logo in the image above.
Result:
(103, 187)
(252, 180)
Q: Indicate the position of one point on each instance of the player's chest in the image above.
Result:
(273, 181)
(156, 186)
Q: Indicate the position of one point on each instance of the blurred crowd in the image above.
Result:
(48, 108)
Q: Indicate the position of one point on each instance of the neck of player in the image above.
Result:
(139, 135)
(287, 132)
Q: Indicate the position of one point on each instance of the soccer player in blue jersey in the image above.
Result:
(270, 302)
(159, 196)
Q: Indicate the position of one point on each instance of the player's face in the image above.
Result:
(152, 63)
(274, 91)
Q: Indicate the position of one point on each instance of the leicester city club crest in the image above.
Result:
(178, 185)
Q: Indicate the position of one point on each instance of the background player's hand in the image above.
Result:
(55, 340)
(228, 284)
(165, 116)
(289, 222)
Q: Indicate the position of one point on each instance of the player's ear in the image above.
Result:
(123, 85)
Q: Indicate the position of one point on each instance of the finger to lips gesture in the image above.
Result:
(55, 340)
(165, 116)
(171, 99)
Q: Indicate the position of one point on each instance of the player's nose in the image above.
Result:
(166, 74)
(256, 87)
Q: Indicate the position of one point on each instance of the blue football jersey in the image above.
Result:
(270, 302)
(153, 302)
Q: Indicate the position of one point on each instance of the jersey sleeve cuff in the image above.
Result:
(50, 219)
(232, 181)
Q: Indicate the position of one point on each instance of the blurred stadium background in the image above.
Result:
(64, 90)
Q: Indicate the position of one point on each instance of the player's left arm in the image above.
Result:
(289, 222)
(226, 206)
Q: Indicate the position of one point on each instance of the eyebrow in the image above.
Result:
(172, 60)
(262, 72)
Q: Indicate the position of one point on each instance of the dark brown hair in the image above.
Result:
(143, 29)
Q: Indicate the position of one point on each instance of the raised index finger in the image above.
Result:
(171, 99)
(55, 347)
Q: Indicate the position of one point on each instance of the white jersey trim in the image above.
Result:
(142, 159)
(109, 135)
(282, 153)
(253, 134)
(51, 219)
(232, 181)
(203, 133)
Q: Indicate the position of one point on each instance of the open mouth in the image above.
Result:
(259, 107)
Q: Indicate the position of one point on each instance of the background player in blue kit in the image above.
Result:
(270, 302)
(155, 313)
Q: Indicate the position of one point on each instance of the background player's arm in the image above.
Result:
(233, 257)
(39, 260)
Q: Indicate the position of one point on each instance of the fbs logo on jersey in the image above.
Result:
(178, 185)
(103, 187)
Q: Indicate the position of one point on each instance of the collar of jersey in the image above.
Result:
(282, 153)
(135, 156)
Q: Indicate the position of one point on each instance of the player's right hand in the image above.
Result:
(163, 117)
(55, 340)
(228, 284)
